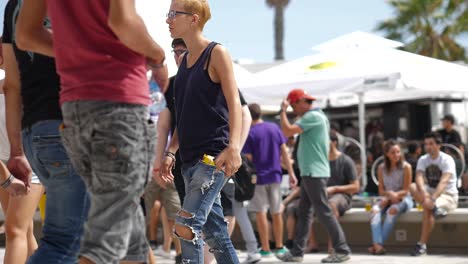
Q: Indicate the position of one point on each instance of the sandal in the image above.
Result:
(380, 252)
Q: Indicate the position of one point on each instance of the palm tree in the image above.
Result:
(279, 6)
(429, 27)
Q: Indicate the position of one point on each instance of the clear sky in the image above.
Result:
(246, 26)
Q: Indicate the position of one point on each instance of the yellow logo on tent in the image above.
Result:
(321, 66)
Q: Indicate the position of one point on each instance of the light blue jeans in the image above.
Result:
(381, 230)
(67, 202)
(203, 202)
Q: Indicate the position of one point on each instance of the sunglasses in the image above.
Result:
(178, 52)
(172, 14)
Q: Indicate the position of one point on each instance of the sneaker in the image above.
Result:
(439, 212)
(265, 254)
(419, 250)
(252, 258)
(178, 259)
(161, 253)
(153, 244)
(280, 251)
(288, 257)
(336, 258)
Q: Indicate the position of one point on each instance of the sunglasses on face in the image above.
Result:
(178, 52)
(173, 13)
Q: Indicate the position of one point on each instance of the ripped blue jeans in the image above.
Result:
(202, 202)
(381, 230)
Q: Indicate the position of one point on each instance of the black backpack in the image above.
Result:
(245, 180)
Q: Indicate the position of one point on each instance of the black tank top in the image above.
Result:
(201, 110)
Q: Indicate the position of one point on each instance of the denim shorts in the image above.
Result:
(111, 145)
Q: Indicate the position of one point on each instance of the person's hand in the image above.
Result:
(384, 202)
(17, 188)
(292, 181)
(166, 169)
(281, 209)
(19, 166)
(160, 75)
(157, 178)
(284, 105)
(229, 161)
(428, 204)
(331, 190)
(393, 197)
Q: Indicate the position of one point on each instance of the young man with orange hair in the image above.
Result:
(208, 135)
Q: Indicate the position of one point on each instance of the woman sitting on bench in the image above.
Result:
(395, 177)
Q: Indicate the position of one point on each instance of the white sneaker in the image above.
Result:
(252, 258)
(161, 253)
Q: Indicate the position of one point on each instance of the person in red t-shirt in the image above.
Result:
(102, 48)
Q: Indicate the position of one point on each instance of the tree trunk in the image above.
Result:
(279, 32)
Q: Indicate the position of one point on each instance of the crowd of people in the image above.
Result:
(82, 126)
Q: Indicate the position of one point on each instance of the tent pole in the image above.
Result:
(362, 139)
(465, 103)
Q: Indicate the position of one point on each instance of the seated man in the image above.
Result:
(343, 183)
(435, 187)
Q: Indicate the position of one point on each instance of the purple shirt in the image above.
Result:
(264, 143)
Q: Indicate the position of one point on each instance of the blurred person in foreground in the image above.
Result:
(102, 49)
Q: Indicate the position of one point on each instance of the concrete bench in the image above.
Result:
(355, 215)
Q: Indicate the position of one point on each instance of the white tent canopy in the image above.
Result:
(385, 74)
(345, 74)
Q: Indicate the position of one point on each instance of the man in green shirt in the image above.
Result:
(312, 155)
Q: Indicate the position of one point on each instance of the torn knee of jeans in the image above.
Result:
(186, 215)
(186, 233)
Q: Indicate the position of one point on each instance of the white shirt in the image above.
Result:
(445, 164)
(4, 144)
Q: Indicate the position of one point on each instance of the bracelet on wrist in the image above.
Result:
(7, 182)
(157, 65)
(170, 155)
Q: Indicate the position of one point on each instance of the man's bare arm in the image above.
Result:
(31, 35)
(351, 188)
(128, 26)
(442, 185)
(289, 167)
(13, 104)
(246, 122)
(221, 69)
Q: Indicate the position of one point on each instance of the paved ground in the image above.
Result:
(356, 258)
(367, 259)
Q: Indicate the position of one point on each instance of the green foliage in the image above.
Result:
(429, 27)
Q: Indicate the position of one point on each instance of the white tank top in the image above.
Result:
(4, 144)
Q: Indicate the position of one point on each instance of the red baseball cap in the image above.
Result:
(298, 94)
